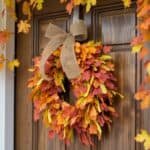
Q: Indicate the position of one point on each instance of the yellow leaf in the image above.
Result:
(126, 3)
(98, 129)
(13, 64)
(89, 87)
(39, 82)
(88, 7)
(81, 102)
(26, 9)
(103, 88)
(47, 118)
(144, 137)
(23, 26)
(118, 94)
(105, 57)
(97, 105)
(90, 3)
(136, 48)
(31, 69)
(59, 78)
(37, 3)
(70, 134)
(9, 3)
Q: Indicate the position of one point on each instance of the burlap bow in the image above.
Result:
(59, 37)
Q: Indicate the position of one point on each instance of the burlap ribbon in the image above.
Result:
(59, 37)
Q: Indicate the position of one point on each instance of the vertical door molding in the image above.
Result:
(7, 87)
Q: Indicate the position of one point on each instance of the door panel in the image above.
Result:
(116, 27)
(114, 22)
(61, 20)
(123, 128)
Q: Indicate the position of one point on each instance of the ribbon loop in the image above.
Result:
(59, 37)
(51, 46)
(68, 58)
(53, 31)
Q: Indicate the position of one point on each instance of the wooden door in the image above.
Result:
(115, 26)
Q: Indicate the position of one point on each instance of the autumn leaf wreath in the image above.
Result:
(93, 92)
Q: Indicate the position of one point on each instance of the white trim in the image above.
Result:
(7, 89)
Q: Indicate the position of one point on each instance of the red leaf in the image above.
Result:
(84, 139)
(107, 49)
(137, 40)
(51, 134)
(36, 115)
(69, 7)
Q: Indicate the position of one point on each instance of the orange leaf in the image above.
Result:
(93, 129)
(144, 11)
(4, 36)
(145, 24)
(145, 102)
(26, 9)
(93, 113)
(146, 35)
(143, 52)
(23, 26)
(144, 97)
(2, 59)
(147, 66)
(69, 7)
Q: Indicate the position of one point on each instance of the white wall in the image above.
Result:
(7, 88)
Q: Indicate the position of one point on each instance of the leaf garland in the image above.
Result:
(73, 3)
(94, 91)
(140, 45)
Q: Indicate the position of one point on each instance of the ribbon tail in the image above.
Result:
(53, 30)
(68, 58)
(48, 50)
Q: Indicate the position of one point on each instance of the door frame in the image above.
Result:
(7, 86)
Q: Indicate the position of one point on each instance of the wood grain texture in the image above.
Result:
(120, 22)
(77, 145)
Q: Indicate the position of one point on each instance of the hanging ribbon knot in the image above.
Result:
(59, 37)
